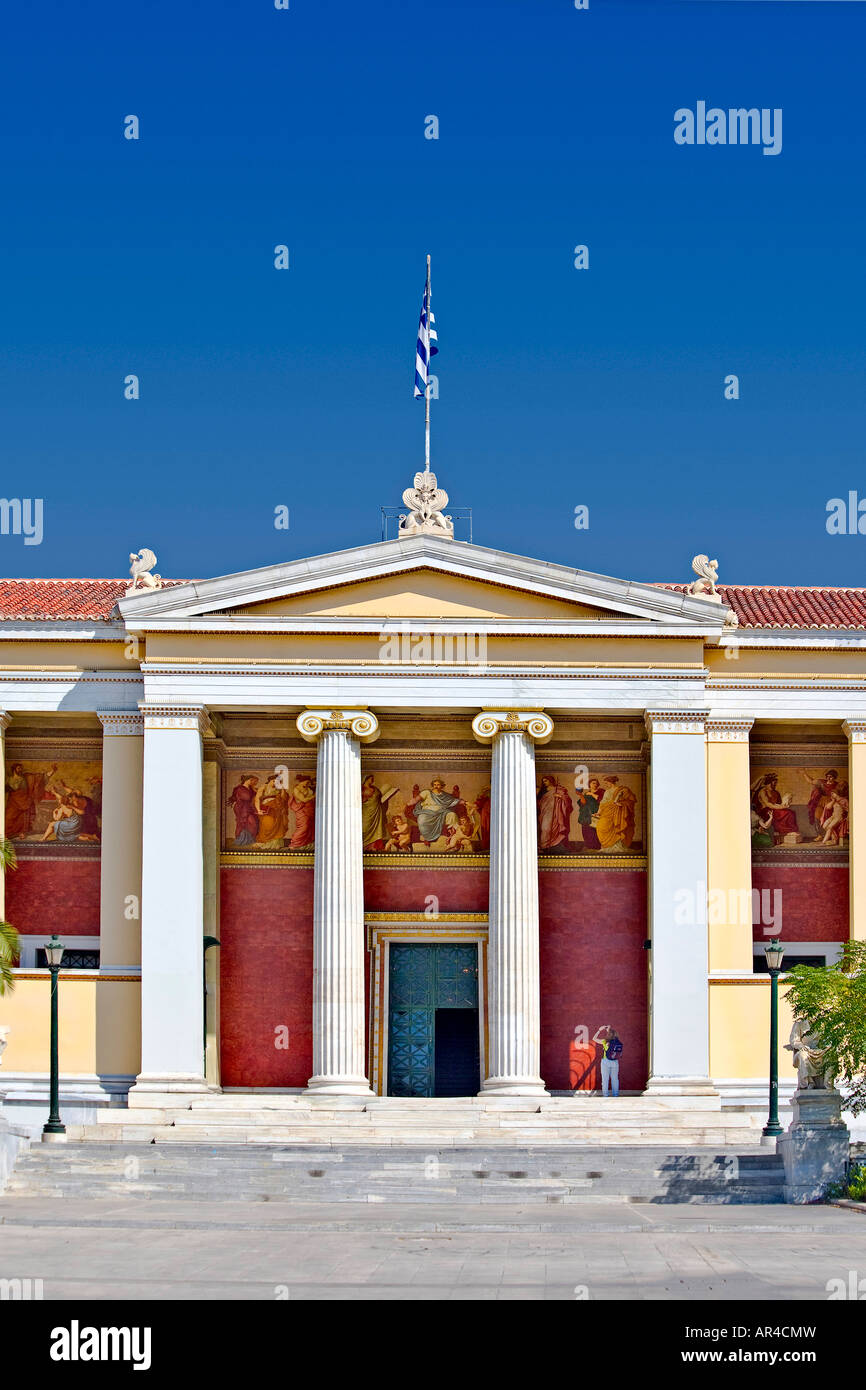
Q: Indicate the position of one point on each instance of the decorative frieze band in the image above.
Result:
(675, 721)
(729, 730)
(855, 729)
(120, 722)
(176, 717)
(360, 723)
(537, 726)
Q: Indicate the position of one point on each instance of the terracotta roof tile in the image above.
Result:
(758, 605)
(40, 600)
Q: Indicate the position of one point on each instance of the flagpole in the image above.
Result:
(427, 388)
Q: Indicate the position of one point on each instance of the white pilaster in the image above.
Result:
(120, 861)
(855, 731)
(172, 902)
(5, 721)
(679, 999)
(338, 900)
(513, 971)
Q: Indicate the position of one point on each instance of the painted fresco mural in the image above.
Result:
(270, 808)
(53, 802)
(797, 806)
(440, 812)
(594, 812)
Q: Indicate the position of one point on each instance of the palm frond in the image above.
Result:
(9, 953)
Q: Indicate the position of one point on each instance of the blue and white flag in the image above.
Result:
(427, 346)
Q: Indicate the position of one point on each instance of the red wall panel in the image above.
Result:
(593, 967)
(814, 901)
(48, 895)
(407, 890)
(266, 974)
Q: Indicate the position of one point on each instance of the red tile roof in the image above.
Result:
(36, 600)
(41, 600)
(758, 605)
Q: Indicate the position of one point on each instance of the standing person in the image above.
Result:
(611, 1047)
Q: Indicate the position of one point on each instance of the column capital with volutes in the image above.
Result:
(490, 723)
(362, 724)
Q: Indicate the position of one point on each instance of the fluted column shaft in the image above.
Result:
(513, 970)
(338, 901)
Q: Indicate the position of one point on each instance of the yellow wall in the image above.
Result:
(425, 593)
(740, 1028)
(76, 656)
(729, 855)
(99, 1025)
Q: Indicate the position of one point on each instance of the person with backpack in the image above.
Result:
(611, 1047)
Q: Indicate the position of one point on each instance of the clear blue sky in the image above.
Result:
(557, 386)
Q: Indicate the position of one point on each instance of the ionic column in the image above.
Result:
(856, 733)
(5, 721)
(512, 954)
(338, 900)
(679, 995)
(172, 903)
(120, 863)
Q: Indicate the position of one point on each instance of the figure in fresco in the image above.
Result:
(271, 805)
(243, 803)
(588, 802)
(766, 797)
(480, 811)
(821, 792)
(762, 830)
(400, 834)
(461, 837)
(834, 817)
(582, 1061)
(554, 813)
(24, 791)
(374, 814)
(303, 803)
(616, 815)
(434, 809)
(84, 815)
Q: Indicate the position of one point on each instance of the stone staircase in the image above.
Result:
(418, 1174)
(287, 1119)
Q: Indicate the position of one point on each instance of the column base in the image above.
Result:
(683, 1092)
(513, 1086)
(338, 1086)
(149, 1085)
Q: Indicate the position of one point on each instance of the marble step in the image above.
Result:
(492, 1176)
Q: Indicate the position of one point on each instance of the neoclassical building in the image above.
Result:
(419, 818)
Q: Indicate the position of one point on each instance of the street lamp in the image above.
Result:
(54, 1132)
(774, 951)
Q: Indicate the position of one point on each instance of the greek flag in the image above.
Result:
(427, 344)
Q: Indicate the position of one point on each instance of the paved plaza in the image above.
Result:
(109, 1249)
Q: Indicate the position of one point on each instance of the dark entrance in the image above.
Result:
(433, 1044)
(458, 1062)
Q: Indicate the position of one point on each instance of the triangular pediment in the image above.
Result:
(423, 577)
(424, 593)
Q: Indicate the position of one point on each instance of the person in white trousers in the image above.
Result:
(611, 1046)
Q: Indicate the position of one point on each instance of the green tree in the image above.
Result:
(9, 944)
(832, 1000)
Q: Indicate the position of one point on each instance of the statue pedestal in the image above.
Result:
(815, 1147)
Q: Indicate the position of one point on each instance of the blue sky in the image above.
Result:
(558, 387)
